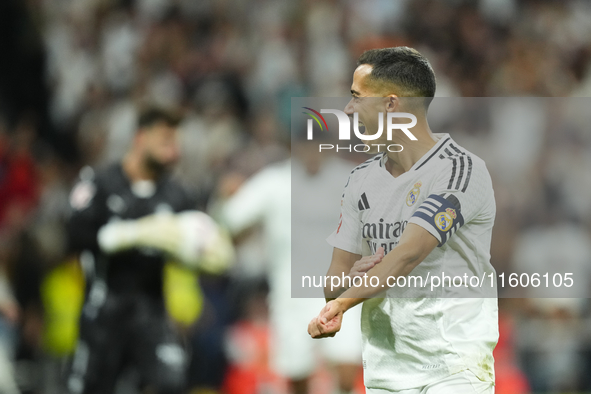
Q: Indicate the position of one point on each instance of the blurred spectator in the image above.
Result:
(9, 312)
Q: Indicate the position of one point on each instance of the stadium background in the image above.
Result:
(73, 72)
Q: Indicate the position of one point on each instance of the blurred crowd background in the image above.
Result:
(73, 73)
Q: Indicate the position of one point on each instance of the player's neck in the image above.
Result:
(400, 162)
(135, 169)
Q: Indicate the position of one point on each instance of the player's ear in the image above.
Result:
(392, 103)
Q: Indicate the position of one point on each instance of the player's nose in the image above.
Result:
(349, 108)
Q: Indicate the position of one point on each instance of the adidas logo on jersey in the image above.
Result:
(363, 204)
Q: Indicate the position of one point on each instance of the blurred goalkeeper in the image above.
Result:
(128, 220)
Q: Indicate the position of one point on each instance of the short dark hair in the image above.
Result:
(151, 115)
(404, 67)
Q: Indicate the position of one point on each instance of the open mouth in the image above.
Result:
(361, 127)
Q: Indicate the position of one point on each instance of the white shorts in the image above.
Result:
(464, 382)
(294, 354)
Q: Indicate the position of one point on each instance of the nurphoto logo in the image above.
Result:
(345, 129)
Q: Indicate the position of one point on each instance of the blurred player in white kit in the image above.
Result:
(267, 198)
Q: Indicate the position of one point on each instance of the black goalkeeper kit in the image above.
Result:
(124, 323)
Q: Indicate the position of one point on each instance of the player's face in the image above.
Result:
(368, 104)
(160, 146)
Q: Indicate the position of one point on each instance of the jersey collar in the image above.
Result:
(442, 140)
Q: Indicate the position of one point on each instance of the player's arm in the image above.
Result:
(248, 205)
(415, 245)
(349, 264)
(341, 263)
(190, 237)
(346, 240)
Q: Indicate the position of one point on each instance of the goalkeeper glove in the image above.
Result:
(191, 237)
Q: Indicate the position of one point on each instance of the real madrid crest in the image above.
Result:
(413, 194)
(444, 220)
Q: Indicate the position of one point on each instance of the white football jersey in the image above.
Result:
(266, 198)
(411, 342)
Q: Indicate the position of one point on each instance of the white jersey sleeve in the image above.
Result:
(462, 194)
(248, 206)
(347, 235)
